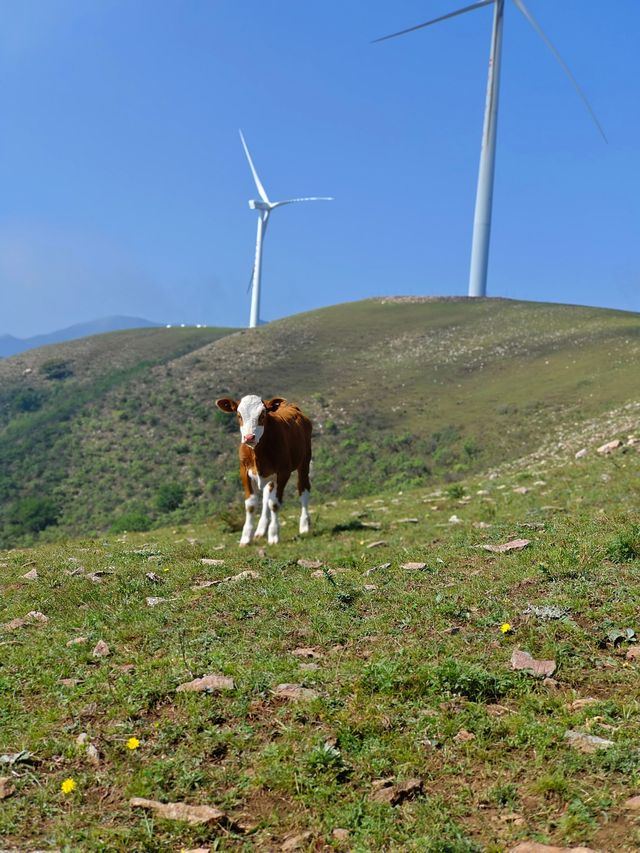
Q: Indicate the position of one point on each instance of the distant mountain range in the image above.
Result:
(12, 346)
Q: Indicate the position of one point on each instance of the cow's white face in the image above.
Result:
(251, 414)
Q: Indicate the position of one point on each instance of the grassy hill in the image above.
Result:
(46, 396)
(412, 731)
(401, 391)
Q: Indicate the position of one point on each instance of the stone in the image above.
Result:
(587, 743)
(609, 447)
(297, 841)
(194, 815)
(207, 684)
(7, 788)
(579, 704)
(513, 545)
(386, 792)
(523, 660)
(307, 653)
(295, 692)
(464, 736)
(535, 847)
(101, 650)
(246, 575)
(32, 617)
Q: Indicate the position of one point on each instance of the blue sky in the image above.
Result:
(123, 185)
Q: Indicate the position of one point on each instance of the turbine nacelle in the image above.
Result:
(254, 204)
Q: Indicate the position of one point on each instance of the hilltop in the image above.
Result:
(402, 392)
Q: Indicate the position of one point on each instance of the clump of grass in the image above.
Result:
(470, 680)
(504, 794)
(625, 546)
(325, 759)
(554, 785)
(456, 491)
(381, 676)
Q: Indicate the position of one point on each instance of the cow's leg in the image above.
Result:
(265, 517)
(250, 503)
(275, 502)
(304, 489)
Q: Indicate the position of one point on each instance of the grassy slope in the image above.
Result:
(400, 392)
(39, 416)
(403, 669)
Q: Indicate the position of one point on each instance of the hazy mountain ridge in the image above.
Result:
(399, 392)
(10, 345)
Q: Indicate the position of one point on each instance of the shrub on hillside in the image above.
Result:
(31, 515)
(56, 368)
(135, 521)
(170, 496)
(222, 419)
(28, 400)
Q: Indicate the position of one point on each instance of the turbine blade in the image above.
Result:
(261, 190)
(310, 198)
(473, 6)
(536, 26)
(253, 269)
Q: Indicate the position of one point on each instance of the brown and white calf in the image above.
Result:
(275, 441)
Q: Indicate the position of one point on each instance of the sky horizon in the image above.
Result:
(124, 187)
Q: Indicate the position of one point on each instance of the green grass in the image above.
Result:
(402, 394)
(413, 675)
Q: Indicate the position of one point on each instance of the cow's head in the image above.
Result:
(251, 412)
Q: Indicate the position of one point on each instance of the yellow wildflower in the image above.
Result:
(506, 628)
(133, 743)
(68, 786)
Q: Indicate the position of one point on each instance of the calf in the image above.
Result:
(275, 441)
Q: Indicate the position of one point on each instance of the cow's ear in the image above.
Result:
(226, 404)
(274, 404)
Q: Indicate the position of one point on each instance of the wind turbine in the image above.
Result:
(264, 208)
(484, 193)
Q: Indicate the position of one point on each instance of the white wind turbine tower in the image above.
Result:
(484, 193)
(264, 208)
